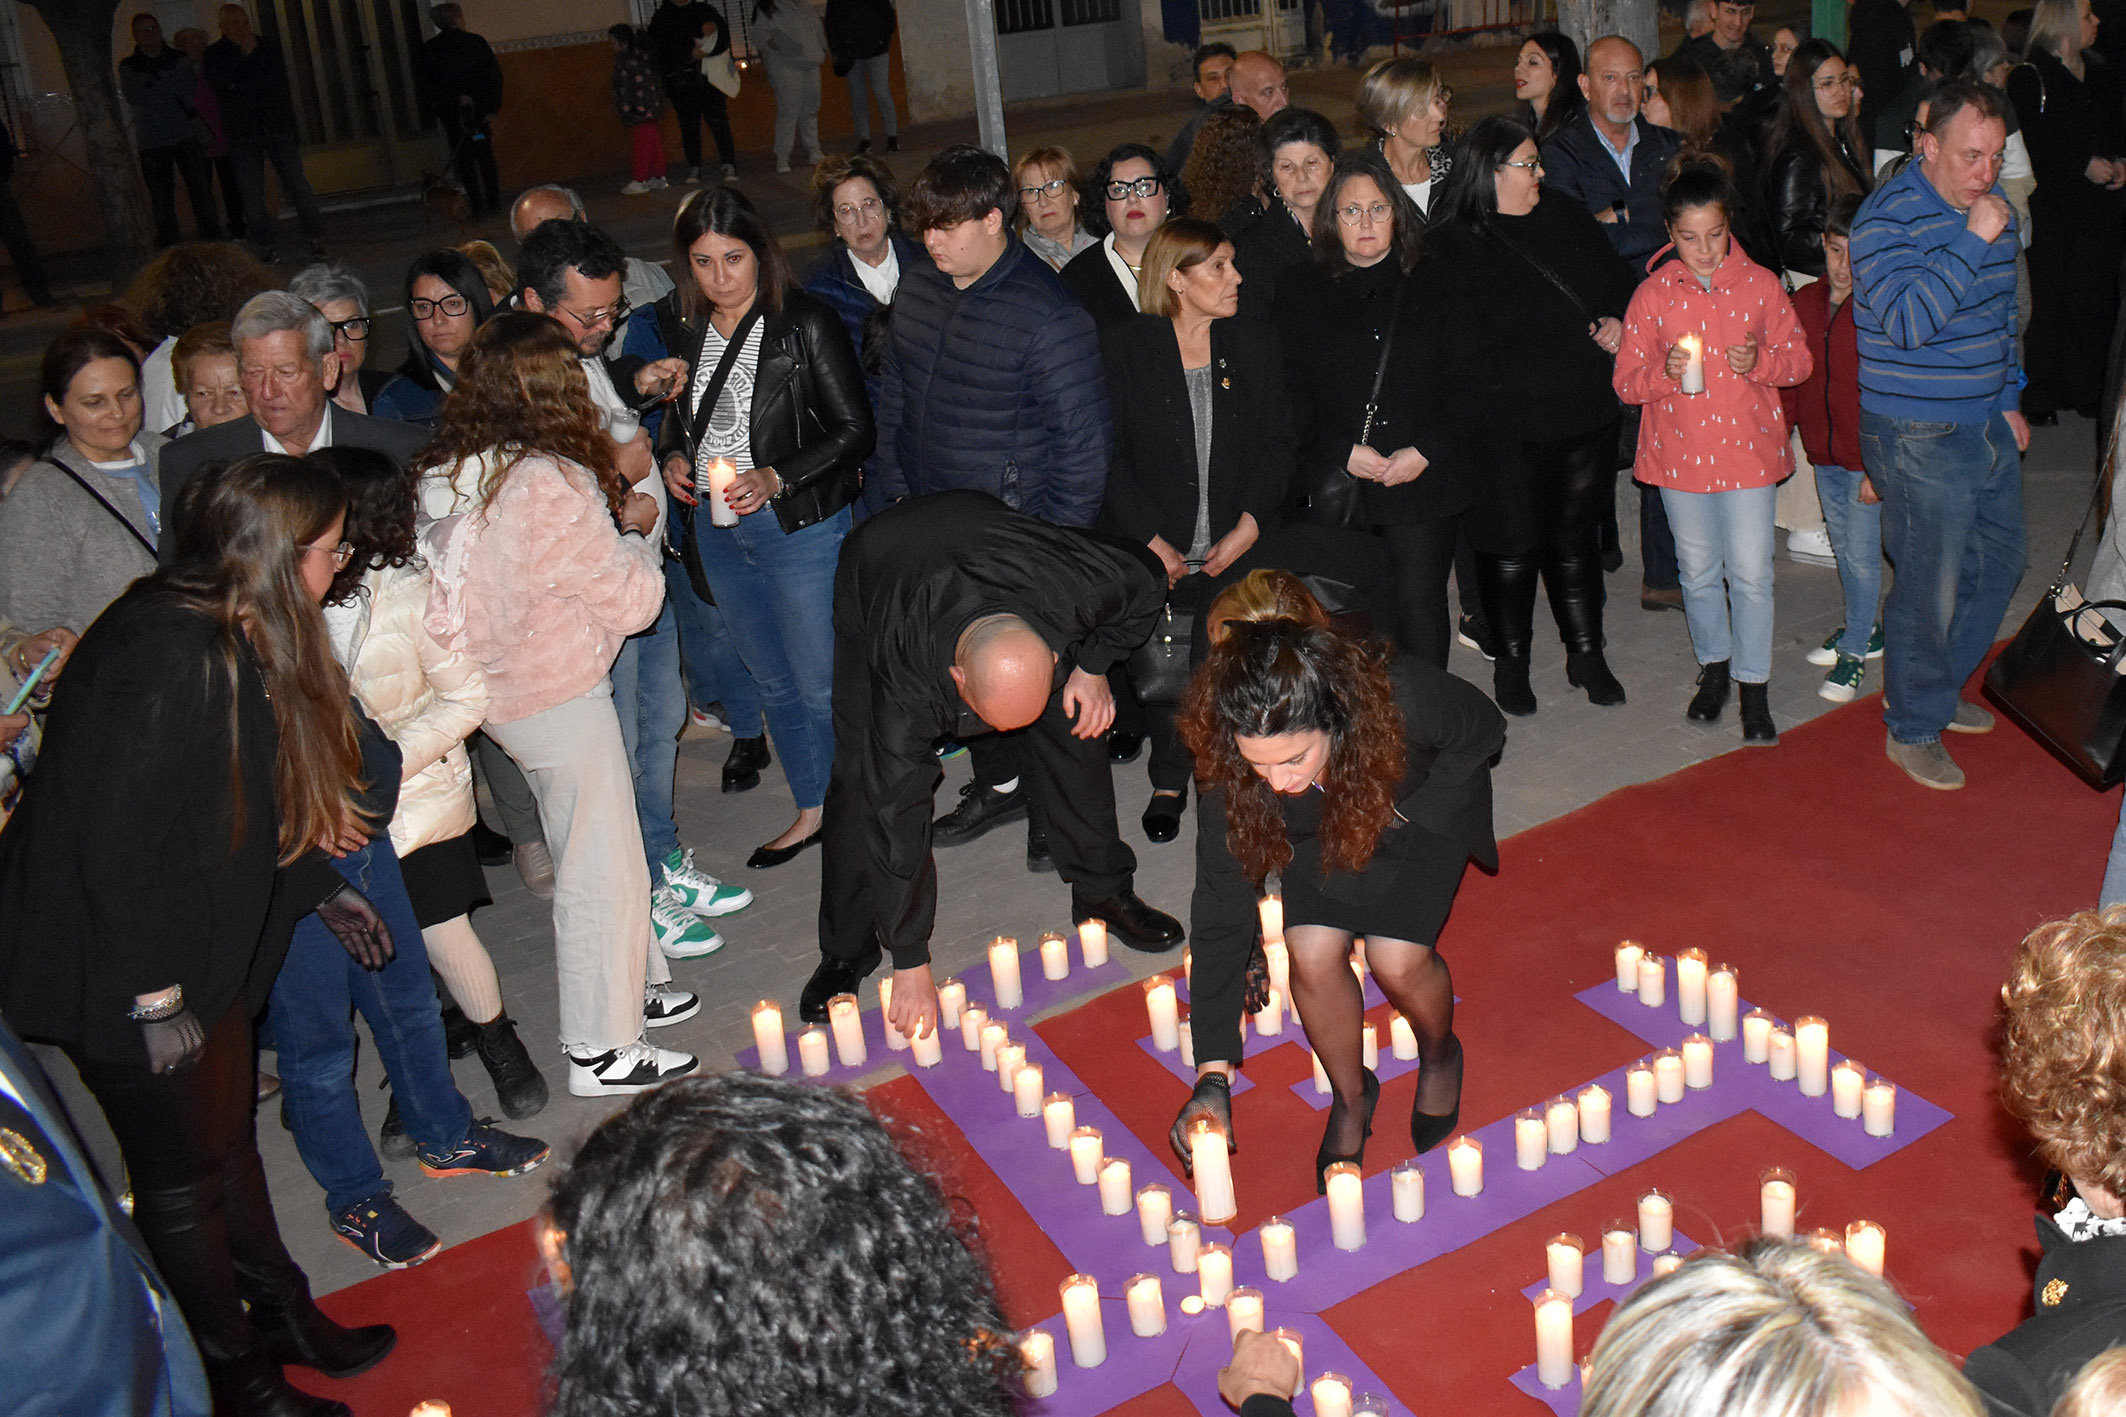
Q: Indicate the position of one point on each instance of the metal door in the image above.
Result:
(1048, 47)
(351, 69)
(1277, 27)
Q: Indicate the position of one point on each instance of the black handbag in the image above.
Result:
(1333, 497)
(1159, 668)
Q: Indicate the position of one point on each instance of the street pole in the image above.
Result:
(988, 87)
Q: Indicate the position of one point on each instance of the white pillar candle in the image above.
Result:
(1188, 1041)
(812, 1052)
(1690, 986)
(1402, 1039)
(896, 1041)
(1561, 1119)
(1406, 1191)
(973, 1019)
(1347, 1207)
(1629, 954)
(1059, 1113)
(1620, 1254)
(1781, 1056)
(1214, 1274)
(1723, 996)
(1693, 380)
(1116, 1198)
(1085, 1155)
(952, 997)
(1279, 959)
(768, 1037)
(1878, 1109)
(846, 1019)
(1566, 1260)
(1243, 1311)
(1092, 942)
(1155, 1207)
(1184, 1238)
(1775, 1203)
(1147, 1305)
(1864, 1244)
(1667, 1264)
(1640, 1089)
(1812, 1056)
(1270, 1022)
(1004, 972)
(719, 474)
(1593, 1104)
(994, 1036)
(1213, 1172)
(1165, 1014)
(1668, 1075)
(1271, 909)
(1332, 1395)
(1531, 1140)
(1280, 1249)
(1553, 1339)
(1010, 1058)
(1756, 1036)
(930, 1048)
(1657, 1222)
(1848, 1081)
(1465, 1164)
(1055, 956)
(1698, 1061)
(1653, 981)
(1026, 1089)
(1037, 1354)
(1322, 1087)
(1188, 966)
(1369, 1045)
(1826, 1242)
(1358, 973)
(1081, 1317)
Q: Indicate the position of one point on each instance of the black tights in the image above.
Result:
(1424, 558)
(1332, 1007)
(1569, 480)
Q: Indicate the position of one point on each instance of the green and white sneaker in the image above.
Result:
(680, 933)
(1842, 684)
(700, 892)
(1828, 653)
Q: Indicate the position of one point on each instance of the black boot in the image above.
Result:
(833, 977)
(1587, 669)
(251, 1385)
(1509, 684)
(391, 1138)
(1757, 726)
(294, 1330)
(1705, 705)
(460, 1034)
(519, 1087)
(741, 770)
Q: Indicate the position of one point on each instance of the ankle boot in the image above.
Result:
(1705, 705)
(460, 1034)
(1509, 684)
(292, 1329)
(250, 1384)
(1587, 669)
(518, 1085)
(1757, 726)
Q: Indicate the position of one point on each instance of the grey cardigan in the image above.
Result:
(63, 558)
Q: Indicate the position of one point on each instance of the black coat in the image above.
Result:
(859, 29)
(1797, 203)
(252, 89)
(811, 416)
(1880, 45)
(1151, 490)
(1270, 247)
(2080, 1312)
(1090, 278)
(2065, 122)
(672, 31)
(457, 63)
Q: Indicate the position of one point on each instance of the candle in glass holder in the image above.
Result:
(1668, 1075)
(1667, 1264)
(1279, 959)
(1827, 1242)
(1812, 1056)
(1271, 909)
(1165, 1014)
(1059, 1113)
(1188, 1041)
(1026, 1090)
(1657, 1222)
(952, 997)
(1037, 1355)
(1280, 1249)
(929, 1049)
(1698, 1061)
(1055, 956)
(1629, 954)
(1369, 1045)
(973, 1019)
(1878, 1109)
(1188, 966)
(1347, 1207)
(1010, 1058)
(994, 1036)
(1566, 1260)
(1085, 1155)
(845, 1017)
(896, 1041)
(1155, 1207)
(1116, 1198)
(1213, 1171)
(1531, 1140)
(1406, 1191)
(1322, 1086)
(1295, 1344)
(1270, 1022)
(1092, 942)
(1691, 968)
(769, 1038)
(1553, 1339)
(719, 475)
(1693, 380)
(1640, 1089)
(1848, 1081)
(1780, 1055)
(1402, 1039)
(1756, 1036)
(1864, 1242)
(1465, 1164)
(1214, 1274)
(1004, 972)
(1243, 1311)
(1331, 1393)
(1184, 1239)
(1653, 981)
(1562, 1120)
(1775, 1203)
(1081, 1317)
(1593, 1103)
(1369, 1404)
(1723, 996)
(1620, 1253)
(1147, 1305)
(812, 1052)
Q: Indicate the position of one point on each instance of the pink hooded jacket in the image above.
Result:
(1734, 434)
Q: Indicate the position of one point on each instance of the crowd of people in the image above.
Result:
(1195, 448)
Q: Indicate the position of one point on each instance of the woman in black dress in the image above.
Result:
(1367, 787)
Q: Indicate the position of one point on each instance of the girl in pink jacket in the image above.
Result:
(1708, 340)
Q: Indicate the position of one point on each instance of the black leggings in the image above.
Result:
(1568, 478)
(696, 101)
(1424, 556)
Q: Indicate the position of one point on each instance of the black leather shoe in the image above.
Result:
(1711, 698)
(764, 857)
(1130, 920)
(1038, 859)
(1509, 685)
(251, 1385)
(391, 1138)
(1663, 598)
(493, 848)
(980, 809)
(1758, 730)
(741, 770)
(834, 976)
(1587, 669)
(1428, 1129)
(294, 1330)
(1123, 747)
(1162, 819)
(1325, 1158)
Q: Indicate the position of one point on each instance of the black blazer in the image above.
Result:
(1151, 484)
(1264, 253)
(1090, 278)
(2080, 1312)
(811, 416)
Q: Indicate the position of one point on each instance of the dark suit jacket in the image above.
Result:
(1577, 164)
(242, 437)
(2080, 1312)
(1090, 277)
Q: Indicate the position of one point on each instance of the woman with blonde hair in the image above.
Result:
(1404, 102)
(1048, 181)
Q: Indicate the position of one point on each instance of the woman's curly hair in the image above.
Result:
(2063, 1055)
(1274, 676)
(756, 1248)
(521, 392)
(380, 513)
(1225, 164)
(195, 283)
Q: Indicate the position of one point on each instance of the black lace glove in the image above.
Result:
(1213, 1098)
(354, 922)
(173, 1043)
(1256, 990)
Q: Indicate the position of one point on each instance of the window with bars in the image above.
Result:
(1025, 16)
(1091, 12)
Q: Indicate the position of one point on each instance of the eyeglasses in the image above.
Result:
(341, 554)
(1843, 81)
(1379, 214)
(451, 305)
(356, 329)
(1534, 164)
(866, 209)
(1142, 187)
(594, 318)
(1050, 191)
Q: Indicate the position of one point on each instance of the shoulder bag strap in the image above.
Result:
(1380, 370)
(1554, 278)
(720, 376)
(102, 501)
(2096, 498)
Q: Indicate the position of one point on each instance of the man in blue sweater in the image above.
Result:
(1940, 426)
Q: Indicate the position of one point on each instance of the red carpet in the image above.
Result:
(1833, 884)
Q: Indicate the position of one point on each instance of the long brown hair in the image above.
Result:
(521, 392)
(1273, 676)
(1838, 147)
(240, 531)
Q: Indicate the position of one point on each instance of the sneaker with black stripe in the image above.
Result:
(381, 1229)
(618, 1072)
(667, 1004)
(486, 1150)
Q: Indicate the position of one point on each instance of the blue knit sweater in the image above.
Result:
(1934, 307)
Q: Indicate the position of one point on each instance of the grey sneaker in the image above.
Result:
(536, 865)
(1970, 718)
(1927, 764)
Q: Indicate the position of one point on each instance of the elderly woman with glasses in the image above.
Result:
(343, 299)
(446, 302)
(857, 201)
(1130, 195)
(1048, 180)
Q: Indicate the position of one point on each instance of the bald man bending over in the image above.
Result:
(955, 614)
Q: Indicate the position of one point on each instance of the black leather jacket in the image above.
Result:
(1797, 205)
(811, 417)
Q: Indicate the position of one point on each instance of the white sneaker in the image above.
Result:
(702, 718)
(657, 183)
(699, 891)
(634, 189)
(693, 177)
(1814, 547)
(664, 1004)
(680, 933)
(636, 1068)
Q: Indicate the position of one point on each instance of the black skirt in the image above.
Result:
(444, 880)
(1404, 894)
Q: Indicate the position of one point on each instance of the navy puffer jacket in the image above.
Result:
(998, 387)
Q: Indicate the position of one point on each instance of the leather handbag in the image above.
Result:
(1159, 668)
(1334, 498)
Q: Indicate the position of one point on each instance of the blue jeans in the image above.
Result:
(708, 661)
(652, 705)
(777, 593)
(867, 78)
(2115, 866)
(1952, 525)
(1727, 537)
(318, 986)
(1855, 529)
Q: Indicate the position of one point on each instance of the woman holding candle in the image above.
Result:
(1129, 196)
(1368, 787)
(1709, 339)
(776, 406)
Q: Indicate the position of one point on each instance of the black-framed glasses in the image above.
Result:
(591, 319)
(1142, 187)
(451, 305)
(1379, 213)
(1049, 191)
(356, 329)
(864, 210)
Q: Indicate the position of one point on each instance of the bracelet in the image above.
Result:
(172, 1004)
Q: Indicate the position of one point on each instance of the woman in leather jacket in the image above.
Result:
(1814, 154)
(790, 419)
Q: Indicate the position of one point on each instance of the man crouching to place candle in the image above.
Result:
(955, 614)
(1367, 785)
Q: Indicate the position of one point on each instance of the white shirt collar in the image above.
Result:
(1121, 268)
(322, 440)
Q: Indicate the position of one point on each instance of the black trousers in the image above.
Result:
(232, 195)
(199, 1191)
(1424, 557)
(1568, 478)
(473, 154)
(15, 236)
(1657, 544)
(696, 101)
(159, 168)
(2074, 300)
